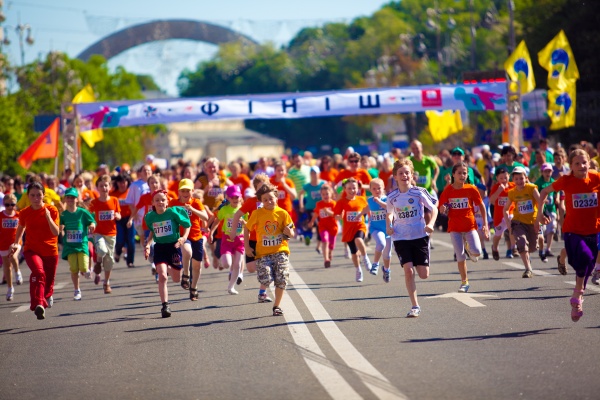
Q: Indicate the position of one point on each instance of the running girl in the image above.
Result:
(327, 225)
(164, 224)
(9, 218)
(350, 207)
(499, 198)
(459, 200)
(405, 222)
(376, 210)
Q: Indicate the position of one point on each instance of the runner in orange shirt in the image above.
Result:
(285, 189)
(125, 235)
(328, 227)
(238, 178)
(353, 171)
(41, 248)
(499, 198)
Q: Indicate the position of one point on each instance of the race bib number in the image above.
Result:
(281, 194)
(189, 213)
(406, 213)
(272, 241)
(108, 215)
(10, 223)
(353, 216)
(230, 224)
(525, 207)
(459, 203)
(422, 180)
(214, 192)
(585, 200)
(315, 195)
(163, 228)
(74, 236)
(502, 201)
(323, 214)
(378, 215)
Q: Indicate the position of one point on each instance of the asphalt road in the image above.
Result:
(509, 338)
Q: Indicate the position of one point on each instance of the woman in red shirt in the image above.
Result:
(41, 248)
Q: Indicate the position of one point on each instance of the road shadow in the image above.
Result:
(508, 335)
(285, 323)
(195, 325)
(52, 328)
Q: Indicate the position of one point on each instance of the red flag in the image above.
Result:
(45, 146)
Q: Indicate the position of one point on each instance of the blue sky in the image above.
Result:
(71, 26)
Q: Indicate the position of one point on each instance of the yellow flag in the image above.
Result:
(86, 95)
(558, 59)
(561, 106)
(519, 68)
(443, 123)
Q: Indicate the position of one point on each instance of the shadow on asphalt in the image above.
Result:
(317, 321)
(510, 335)
(51, 328)
(196, 325)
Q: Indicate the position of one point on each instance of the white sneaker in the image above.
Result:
(232, 291)
(19, 278)
(88, 275)
(359, 274)
(346, 252)
(9, 294)
(50, 301)
(366, 263)
(77, 295)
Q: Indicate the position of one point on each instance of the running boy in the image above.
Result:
(499, 198)
(550, 228)
(376, 209)
(327, 225)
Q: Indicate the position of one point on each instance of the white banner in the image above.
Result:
(475, 97)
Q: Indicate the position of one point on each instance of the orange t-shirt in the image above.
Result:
(125, 210)
(581, 200)
(88, 194)
(8, 230)
(353, 219)
(196, 228)
(284, 200)
(460, 204)
(330, 175)
(242, 181)
(40, 238)
(360, 175)
(326, 222)
(501, 202)
(104, 214)
(145, 202)
(385, 177)
(248, 207)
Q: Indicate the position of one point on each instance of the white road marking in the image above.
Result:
(331, 380)
(443, 244)
(591, 287)
(465, 298)
(58, 286)
(521, 266)
(21, 309)
(370, 376)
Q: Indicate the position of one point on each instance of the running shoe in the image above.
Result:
(485, 255)
(374, 268)
(543, 256)
(263, 298)
(386, 275)
(468, 253)
(19, 278)
(527, 274)
(165, 311)
(596, 277)
(40, 313)
(50, 301)
(509, 254)
(464, 287)
(562, 268)
(307, 240)
(97, 279)
(107, 289)
(153, 270)
(346, 252)
(359, 274)
(88, 275)
(414, 312)
(232, 291)
(77, 295)
(327, 264)
(239, 280)
(495, 254)
(365, 263)
(9, 294)
(549, 254)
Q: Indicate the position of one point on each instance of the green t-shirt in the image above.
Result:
(509, 169)
(441, 183)
(424, 171)
(76, 225)
(165, 226)
(374, 172)
(226, 215)
(300, 177)
(550, 205)
(313, 194)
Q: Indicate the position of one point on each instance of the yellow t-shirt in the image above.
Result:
(50, 197)
(525, 205)
(269, 225)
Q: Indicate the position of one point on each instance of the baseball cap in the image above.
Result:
(150, 157)
(186, 184)
(457, 150)
(496, 157)
(71, 192)
(233, 191)
(546, 166)
(519, 170)
(315, 169)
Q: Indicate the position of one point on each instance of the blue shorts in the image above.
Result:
(197, 249)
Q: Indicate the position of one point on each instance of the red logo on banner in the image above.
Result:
(431, 98)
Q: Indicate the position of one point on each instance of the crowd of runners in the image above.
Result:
(240, 217)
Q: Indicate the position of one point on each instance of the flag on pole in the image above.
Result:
(45, 146)
(558, 59)
(443, 123)
(86, 95)
(561, 106)
(519, 68)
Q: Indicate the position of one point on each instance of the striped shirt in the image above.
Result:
(408, 210)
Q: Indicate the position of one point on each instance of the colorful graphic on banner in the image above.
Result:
(477, 97)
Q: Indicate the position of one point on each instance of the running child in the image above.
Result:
(459, 200)
(525, 197)
(376, 209)
(351, 208)
(107, 211)
(406, 224)
(580, 226)
(75, 223)
(10, 220)
(274, 227)
(499, 198)
(549, 211)
(165, 224)
(309, 195)
(327, 224)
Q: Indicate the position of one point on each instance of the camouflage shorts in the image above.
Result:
(274, 268)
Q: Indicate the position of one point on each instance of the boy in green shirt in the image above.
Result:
(549, 210)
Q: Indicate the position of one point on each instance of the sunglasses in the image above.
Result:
(353, 161)
(9, 204)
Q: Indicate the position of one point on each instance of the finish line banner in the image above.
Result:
(112, 114)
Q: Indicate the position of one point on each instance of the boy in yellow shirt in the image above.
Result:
(274, 227)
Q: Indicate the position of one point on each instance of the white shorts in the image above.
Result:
(550, 227)
(4, 253)
(499, 230)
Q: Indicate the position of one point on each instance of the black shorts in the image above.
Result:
(352, 245)
(166, 253)
(217, 249)
(197, 249)
(415, 251)
(252, 244)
